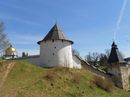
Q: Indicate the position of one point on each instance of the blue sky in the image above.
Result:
(89, 23)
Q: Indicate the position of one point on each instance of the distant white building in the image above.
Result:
(55, 50)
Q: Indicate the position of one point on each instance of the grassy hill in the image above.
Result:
(27, 80)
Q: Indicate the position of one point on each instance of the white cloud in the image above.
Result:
(120, 17)
(22, 39)
(13, 18)
(12, 6)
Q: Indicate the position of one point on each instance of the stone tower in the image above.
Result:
(55, 49)
(118, 68)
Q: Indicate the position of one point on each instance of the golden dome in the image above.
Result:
(10, 49)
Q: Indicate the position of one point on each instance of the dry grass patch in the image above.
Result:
(76, 78)
(50, 76)
(103, 83)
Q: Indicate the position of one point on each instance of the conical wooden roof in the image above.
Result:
(115, 55)
(55, 34)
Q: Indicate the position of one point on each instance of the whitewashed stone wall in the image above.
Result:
(56, 53)
(76, 62)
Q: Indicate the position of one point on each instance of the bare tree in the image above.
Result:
(103, 61)
(95, 56)
(88, 57)
(98, 59)
(107, 52)
(92, 58)
(4, 42)
(75, 52)
(1, 27)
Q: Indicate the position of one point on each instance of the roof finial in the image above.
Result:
(114, 36)
(56, 22)
(114, 44)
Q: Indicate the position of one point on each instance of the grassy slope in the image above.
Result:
(27, 80)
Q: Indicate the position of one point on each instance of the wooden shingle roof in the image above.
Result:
(115, 55)
(55, 34)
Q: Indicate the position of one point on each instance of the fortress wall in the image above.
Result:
(76, 62)
(95, 70)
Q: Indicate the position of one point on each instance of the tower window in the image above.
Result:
(55, 47)
(53, 54)
(52, 40)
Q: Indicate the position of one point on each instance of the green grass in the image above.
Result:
(27, 80)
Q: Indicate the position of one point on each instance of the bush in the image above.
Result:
(105, 84)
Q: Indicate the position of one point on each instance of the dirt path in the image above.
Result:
(9, 67)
